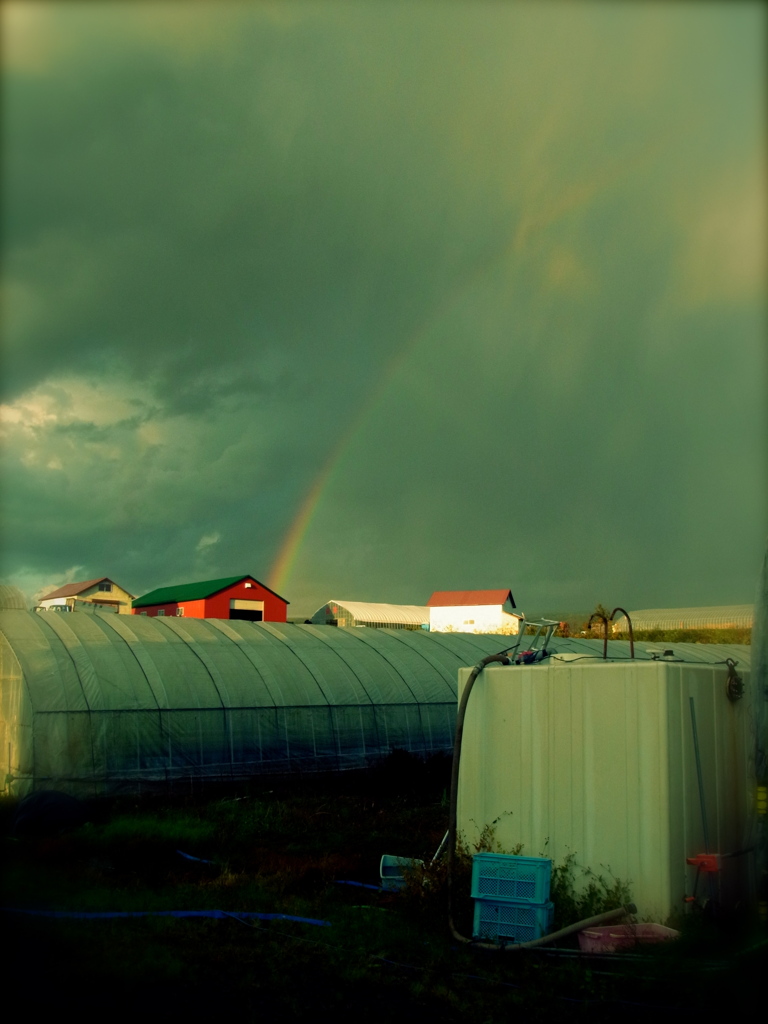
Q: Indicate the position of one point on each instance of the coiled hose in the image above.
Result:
(610, 915)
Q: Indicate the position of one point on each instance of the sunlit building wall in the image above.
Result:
(473, 611)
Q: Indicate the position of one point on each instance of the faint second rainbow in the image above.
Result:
(569, 199)
(286, 556)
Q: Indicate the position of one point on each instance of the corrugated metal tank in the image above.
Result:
(99, 702)
(596, 759)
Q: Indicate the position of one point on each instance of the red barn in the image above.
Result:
(236, 597)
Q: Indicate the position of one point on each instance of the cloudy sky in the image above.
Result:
(369, 300)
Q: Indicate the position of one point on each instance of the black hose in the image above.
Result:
(504, 660)
(609, 915)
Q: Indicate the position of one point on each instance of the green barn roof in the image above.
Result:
(192, 591)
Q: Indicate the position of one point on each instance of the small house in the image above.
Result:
(102, 594)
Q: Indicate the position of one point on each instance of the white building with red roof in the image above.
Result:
(473, 611)
(102, 594)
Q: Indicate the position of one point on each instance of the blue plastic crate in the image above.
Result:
(502, 921)
(501, 876)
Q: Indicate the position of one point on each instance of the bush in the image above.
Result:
(426, 886)
(577, 893)
(576, 902)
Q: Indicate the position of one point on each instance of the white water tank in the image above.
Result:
(596, 759)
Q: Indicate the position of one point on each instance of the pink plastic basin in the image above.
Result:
(611, 938)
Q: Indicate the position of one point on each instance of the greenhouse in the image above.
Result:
(96, 703)
(375, 615)
(734, 616)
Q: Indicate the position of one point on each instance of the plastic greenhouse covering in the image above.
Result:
(99, 702)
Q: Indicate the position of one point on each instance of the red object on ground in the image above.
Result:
(613, 938)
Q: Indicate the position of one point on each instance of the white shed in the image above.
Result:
(473, 611)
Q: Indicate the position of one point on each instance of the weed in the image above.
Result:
(426, 886)
(578, 898)
(577, 892)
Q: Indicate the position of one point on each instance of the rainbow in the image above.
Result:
(286, 556)
(283, 565)
(515, 245)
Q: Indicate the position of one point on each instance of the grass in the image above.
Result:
(576, 899)
(283, 849)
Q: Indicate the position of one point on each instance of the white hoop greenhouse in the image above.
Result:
(739, 616)
(92, 703)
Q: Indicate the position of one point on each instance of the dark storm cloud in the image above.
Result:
(512, 249)
(175, 216)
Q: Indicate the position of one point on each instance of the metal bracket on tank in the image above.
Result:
(662, 654)
(734, 684)
(538, 649)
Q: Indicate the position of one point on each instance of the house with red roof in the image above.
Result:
(101, 594)
(473, 611)
(234, 597)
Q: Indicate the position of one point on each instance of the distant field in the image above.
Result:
(688, 636)
(576, 624)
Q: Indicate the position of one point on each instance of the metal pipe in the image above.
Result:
(589, 922)
(700, 776)
(631, 631)
(702, 802)
(599, 615)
